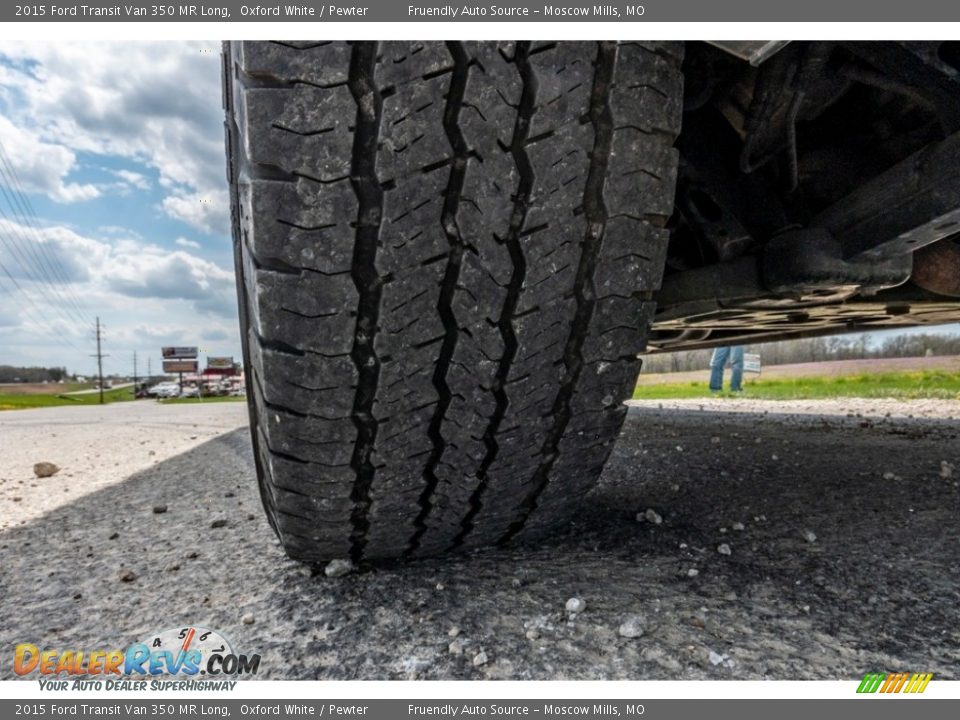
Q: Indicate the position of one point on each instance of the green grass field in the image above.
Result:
(903, 385)
(189, 401)
(20, 401)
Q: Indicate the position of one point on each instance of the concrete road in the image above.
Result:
(844, 557)
(95, 447)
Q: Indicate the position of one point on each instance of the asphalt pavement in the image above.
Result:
(720, 543)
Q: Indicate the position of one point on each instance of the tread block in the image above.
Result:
(304, 224)
(304, 130)
(323, 64)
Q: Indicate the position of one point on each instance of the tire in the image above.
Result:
(445, 256)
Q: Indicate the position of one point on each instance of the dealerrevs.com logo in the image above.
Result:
(189, 652)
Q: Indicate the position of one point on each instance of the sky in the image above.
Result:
(117, 148)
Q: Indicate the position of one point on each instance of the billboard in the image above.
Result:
(219, 363)
(179, 353)
(180, 366)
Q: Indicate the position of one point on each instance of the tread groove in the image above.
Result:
(362, 83)
(601, 116)
(448, 218)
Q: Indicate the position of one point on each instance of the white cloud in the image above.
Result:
(128, 267)
(155, 103)
(151, 272)
(183, 242)
(133, 179)
(209, 211)
(40, 167)
(146, 295)
(29, 254)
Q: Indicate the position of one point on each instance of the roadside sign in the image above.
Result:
(180, 366)
(179, 353)
(219, 363)
(751, 363)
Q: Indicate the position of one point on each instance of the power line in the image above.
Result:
(49, 267)
(31, 272)
(29, 300)
(32, 265)
(26, 207)
(30, 216)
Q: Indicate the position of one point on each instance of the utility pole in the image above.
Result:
(99, 356)
(149, 370)
(134, 374)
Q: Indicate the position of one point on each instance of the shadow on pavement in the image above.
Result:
(876, 590)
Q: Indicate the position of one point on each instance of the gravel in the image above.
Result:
(716, 658)
(338, 568)
(878, 589)
(45, 469)
(633, 627)
(653, 516)
(576, 605)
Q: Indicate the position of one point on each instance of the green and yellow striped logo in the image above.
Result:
(894, 682)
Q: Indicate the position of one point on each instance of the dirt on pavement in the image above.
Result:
(777, 545)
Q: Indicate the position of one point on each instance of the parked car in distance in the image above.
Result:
(190, 391)
(164, 390)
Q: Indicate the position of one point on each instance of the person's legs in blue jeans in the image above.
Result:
(736, 368)
(717, 363)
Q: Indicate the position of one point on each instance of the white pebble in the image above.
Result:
(247, 619)
(633, 627)
(480, 659)
(692, 572)
(737, 526)
(455, 647)
(338, 568)
(533, 634)
(723, 549)
(809, 536)
(454, 631)
(576, 605)
(716, 658)
(889, 476)
(653, 516)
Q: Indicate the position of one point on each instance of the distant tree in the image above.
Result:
(838, 347)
